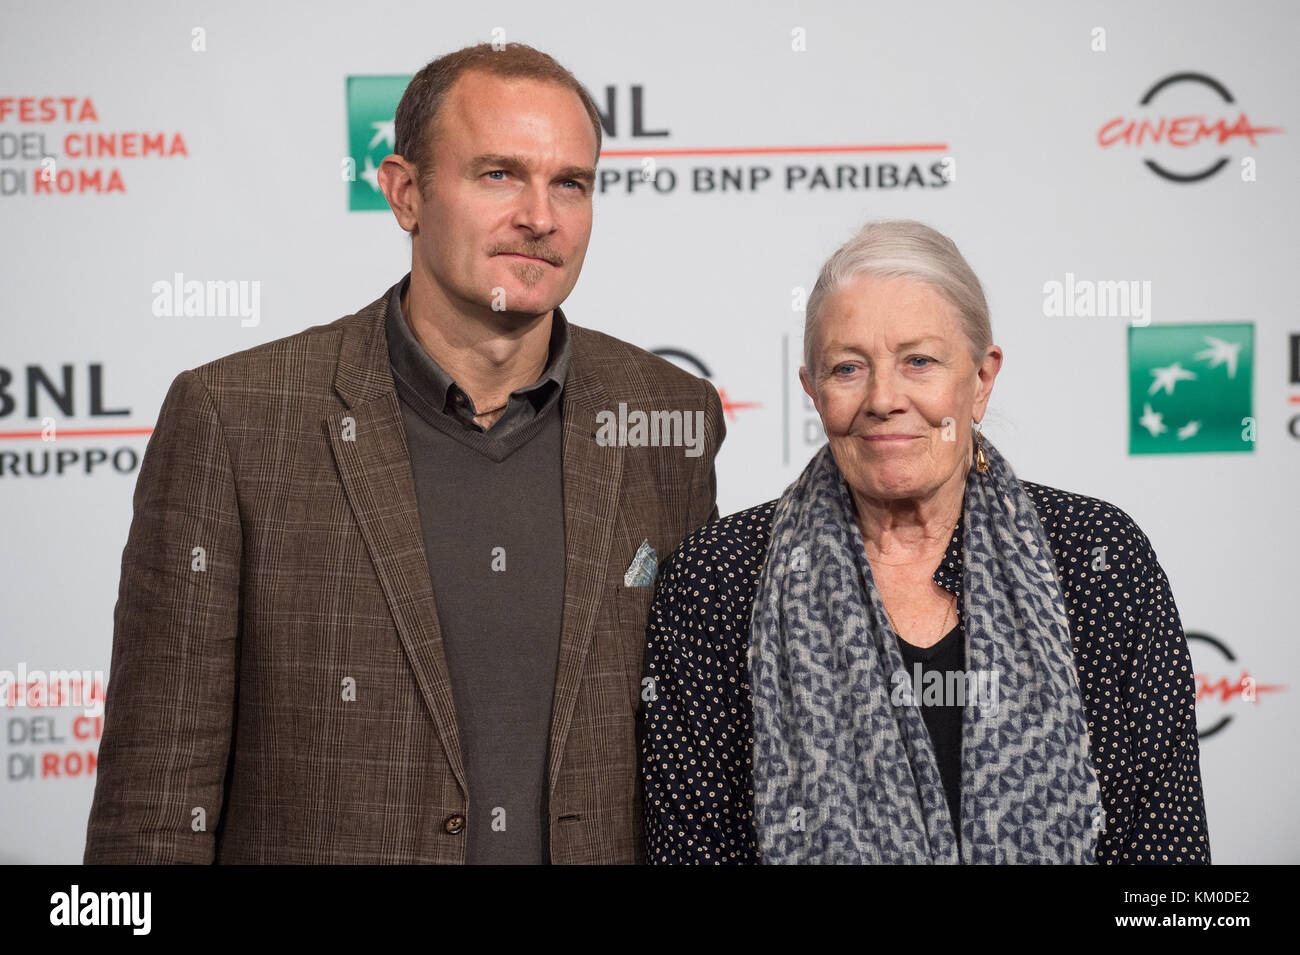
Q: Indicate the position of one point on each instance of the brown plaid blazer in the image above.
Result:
(271, 557)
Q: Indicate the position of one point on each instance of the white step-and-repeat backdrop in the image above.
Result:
(1123, 178)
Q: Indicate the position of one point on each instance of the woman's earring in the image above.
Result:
(981, 459)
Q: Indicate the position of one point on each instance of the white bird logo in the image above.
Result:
(1167, 377)
(385, 132)
(1221, 352)
(1153, 421)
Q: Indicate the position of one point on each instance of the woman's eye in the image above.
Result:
(920, 358)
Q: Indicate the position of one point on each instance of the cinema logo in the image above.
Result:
(53, 146)
(1223, 688)
(651, 429)
(1187, 133)
(53, 720)
(688, 361)
(75, 907)
(978, 688)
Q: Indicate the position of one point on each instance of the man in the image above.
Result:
(384, 597)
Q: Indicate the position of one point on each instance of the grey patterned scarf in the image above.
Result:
(844, 770)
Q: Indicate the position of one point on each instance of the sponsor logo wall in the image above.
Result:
(199, 181)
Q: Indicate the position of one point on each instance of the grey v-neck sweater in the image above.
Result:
(492, 514)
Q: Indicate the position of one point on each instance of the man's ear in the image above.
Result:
(398, 180)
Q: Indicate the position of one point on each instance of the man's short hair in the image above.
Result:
(417, 113)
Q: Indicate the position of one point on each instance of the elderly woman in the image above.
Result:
(913, 656)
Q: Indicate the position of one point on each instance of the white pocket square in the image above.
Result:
(644, 567)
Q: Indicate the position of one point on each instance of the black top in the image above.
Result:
(1134, 669)
(942, 717)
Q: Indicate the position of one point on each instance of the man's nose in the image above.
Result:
(535, 211)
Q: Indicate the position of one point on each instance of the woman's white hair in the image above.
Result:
(903, 248)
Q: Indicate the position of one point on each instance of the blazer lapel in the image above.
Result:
(369, 444)
(593, 477)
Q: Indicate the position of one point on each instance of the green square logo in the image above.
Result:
(1190, 388)
(372, 104)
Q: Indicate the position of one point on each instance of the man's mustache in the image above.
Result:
(538, 250)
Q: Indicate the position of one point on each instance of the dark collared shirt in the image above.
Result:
(1134, 668)
(414, 366)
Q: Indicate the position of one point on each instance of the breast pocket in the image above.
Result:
(631, 614)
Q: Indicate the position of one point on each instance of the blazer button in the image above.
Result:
(454, 825)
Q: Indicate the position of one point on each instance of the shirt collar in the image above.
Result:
(413, 363)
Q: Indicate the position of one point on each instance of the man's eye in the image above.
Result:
(497, 172)
(572, 184)
(920, 358)
(839, 368)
